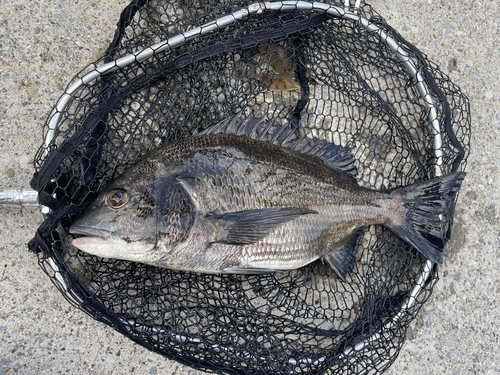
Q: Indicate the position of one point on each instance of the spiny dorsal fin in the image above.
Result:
(262, 129)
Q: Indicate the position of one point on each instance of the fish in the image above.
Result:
(249, 196)
(275, 67)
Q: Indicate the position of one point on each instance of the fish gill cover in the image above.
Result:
(327, 73)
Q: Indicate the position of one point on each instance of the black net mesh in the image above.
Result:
(330, 76)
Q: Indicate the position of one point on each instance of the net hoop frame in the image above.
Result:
(222, 22)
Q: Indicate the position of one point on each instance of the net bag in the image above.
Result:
(329, 71)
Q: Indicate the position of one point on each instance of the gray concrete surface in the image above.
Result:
(44, 43)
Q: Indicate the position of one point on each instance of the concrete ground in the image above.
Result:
(44, 43)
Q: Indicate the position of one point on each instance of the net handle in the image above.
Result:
(347, 4)
(259, 8)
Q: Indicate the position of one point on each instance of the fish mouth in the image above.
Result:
(89, 231)
(103, 243)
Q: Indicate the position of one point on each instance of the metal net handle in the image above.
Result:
(222, 22)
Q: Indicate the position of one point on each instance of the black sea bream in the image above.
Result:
(250, 196)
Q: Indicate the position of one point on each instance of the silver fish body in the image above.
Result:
(248, 196)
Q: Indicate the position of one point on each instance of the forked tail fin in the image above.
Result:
(422, 224)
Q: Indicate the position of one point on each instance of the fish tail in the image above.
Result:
(425, 206)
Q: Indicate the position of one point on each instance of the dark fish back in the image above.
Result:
(266, 141)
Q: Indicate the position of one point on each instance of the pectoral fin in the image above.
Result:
(342, 259)
(247, 227)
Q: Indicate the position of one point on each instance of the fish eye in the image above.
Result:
(117, 198)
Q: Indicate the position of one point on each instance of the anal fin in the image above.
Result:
(342, 259)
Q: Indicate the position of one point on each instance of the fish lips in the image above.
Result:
(89, 231)
(102, 243)
(92, 237)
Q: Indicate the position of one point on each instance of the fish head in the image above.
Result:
(134, 219)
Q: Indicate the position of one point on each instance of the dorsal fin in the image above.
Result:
(262, 129)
